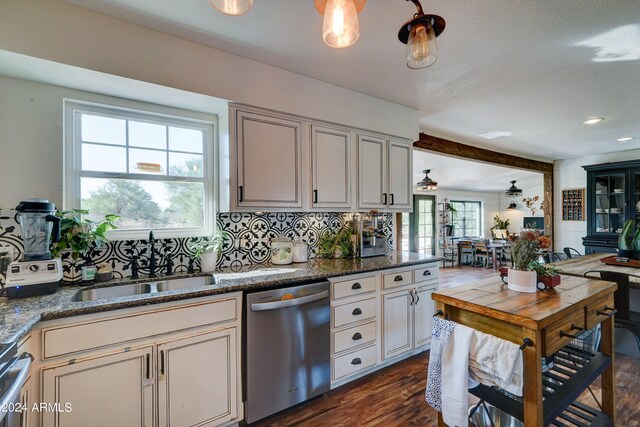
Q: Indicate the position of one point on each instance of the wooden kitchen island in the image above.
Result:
(579, 266)
(545, 322)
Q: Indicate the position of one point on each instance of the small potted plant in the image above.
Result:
(336, 244)
(80, 237)
(500, 229)
(208, 249)
(547, 275)
(524, 251)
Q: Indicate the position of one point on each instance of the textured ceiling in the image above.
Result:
(535, 68)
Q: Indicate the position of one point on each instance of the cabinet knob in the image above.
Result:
(398, 278)
(356, 312)
(357, 336)
(356, 361)
(356, 286)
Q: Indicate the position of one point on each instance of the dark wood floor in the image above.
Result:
(394, 396)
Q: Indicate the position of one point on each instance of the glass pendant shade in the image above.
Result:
(232, 7)
(340, 27)
(422, 49)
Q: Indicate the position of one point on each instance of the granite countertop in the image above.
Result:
(21, 315)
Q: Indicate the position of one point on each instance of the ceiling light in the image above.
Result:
(427, 184)
(340, 27)
(626, 138)
(419, 34)
(494, 134)
(593, 121)
(513, 191)
(232, 7)
(512, 206)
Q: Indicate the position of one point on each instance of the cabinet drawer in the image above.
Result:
(354, 337)
(424, 274)
(353, 287)
(593, 318)
(353, 362)
(96, 333)
(552, 336)
(354, 312)
(400, 278)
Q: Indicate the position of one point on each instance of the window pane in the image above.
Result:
(190, 140)
(103, 158)
(105, 130)
(147, 161)
(185, 164)
(145, 204)
(147, 135)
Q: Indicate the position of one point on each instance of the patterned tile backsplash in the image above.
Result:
(248, 242)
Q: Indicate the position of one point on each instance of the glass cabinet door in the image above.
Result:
(610, 199)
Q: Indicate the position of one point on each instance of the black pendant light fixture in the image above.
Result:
(513, 191)
(427, 184)
(419, 34)
(512, 206)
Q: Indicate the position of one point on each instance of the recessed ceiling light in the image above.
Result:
(626, 138)
(494, 134)
(593, 121)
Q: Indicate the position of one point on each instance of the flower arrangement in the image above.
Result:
(525, 247)
(530, 202)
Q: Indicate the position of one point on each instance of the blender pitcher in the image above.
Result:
(38, 222)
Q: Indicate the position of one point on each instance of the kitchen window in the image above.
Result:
(467, 218)
(153, 170)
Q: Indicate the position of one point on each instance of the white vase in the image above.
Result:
(523, 281)
(208, 262)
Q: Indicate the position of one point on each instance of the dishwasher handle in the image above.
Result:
(17, 383)
(263, 306)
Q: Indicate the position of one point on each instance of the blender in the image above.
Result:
(37, 273)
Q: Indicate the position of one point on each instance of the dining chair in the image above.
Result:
(625, 318)
(482, 253)
(467, 251)
(572, 253)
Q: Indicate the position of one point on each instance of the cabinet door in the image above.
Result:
(372, 178)
(197, 380)
(269, 160)
(115, 390)
(331, 168)
(423, 315)
(397, 324)
(400, 185)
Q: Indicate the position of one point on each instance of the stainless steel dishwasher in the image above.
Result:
(287, 348)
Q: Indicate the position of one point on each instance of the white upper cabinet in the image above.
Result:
(269, 159)
(372, 179)
(331, 166)
(400, 186)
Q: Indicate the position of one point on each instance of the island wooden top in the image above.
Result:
(491, 298)
(578, 266)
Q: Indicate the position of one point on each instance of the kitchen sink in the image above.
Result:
(118, 291)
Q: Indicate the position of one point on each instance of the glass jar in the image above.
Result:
(300, 251)
(281, 251)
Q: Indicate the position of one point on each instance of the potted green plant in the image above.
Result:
(336, 244)
(626, 239)
(524, 251)
(81, 237)
(208, 249)
(548, 275)
(500, 229)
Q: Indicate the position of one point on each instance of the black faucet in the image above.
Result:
(168, 265)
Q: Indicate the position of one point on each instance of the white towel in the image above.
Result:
(455, 377)
(441, 332)
(496, 362)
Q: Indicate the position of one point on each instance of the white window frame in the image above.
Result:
(73, 163)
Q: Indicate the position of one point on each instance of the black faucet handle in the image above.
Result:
(134, 267)
(190, 269)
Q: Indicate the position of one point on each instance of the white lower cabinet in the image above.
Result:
(423, 311)
(197, 379)
(113, 390)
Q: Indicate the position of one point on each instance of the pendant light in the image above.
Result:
(512, 206)
(419, 34)
(427, 184)
(340, 27)
(513, 191)
(232, 7)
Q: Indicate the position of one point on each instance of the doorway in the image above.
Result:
(422, 225)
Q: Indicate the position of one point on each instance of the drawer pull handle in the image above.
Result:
(603, 312)
(398, 278)
(573, 328)
(357, 336)
(426, 273)
(356, 361)
(356, 286)
(356, 312)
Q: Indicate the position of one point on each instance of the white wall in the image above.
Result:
(569, 174)
(64, 33)
(31, 136)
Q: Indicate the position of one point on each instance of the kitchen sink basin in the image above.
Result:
(118, 291)
(112, 292)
